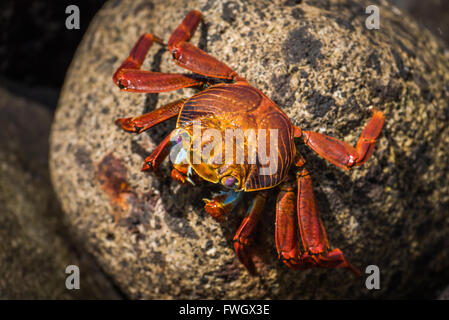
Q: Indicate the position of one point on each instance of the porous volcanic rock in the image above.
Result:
(35, 244)
(325, 69)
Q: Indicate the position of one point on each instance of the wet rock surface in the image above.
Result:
(35, 246)
(322, 66)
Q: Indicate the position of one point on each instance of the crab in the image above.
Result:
(226, 101)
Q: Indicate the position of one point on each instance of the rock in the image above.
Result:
(432, 14)
(444, 295)
(316, 60)
(35, 246)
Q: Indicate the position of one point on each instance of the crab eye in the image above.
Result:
(230, 181)
(178, 139)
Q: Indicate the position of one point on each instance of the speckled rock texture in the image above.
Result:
(322, 66)
(35, 247)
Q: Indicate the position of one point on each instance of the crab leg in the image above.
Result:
(161, 152)
(137, 54)
(141, 123)
(242, 236)
(340, 153)
(129, 77)
(314, 239)
(286, 234)
(192, 58)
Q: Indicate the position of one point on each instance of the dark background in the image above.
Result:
(36, 48)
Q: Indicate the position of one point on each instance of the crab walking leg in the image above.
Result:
(153, 82)
(137, 54)
(340, 153)
(222, 204)
(313, 235)
(129, 77)
(192, 58)
(186, 29)
(161, 152)
(286, 233)
(141, 123)
(243, 234)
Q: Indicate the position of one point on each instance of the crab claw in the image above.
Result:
(215, 209)
(222, 204)
(178, 176)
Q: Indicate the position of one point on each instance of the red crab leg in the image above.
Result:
(129, 77)
(340, 153)
(161, 152)
(141, 123)
(137, 54)
(243, 234)
(192, 58)
(286, 235)
(153, 82)
(313, 235)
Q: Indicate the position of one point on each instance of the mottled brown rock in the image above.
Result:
(316, 60)
(35, 247)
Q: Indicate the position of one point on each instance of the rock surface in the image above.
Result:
(316, 60)
(444, 295)
(35, 248)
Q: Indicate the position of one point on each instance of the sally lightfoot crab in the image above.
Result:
(225, 103)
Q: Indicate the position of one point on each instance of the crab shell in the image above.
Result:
(242, 107)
